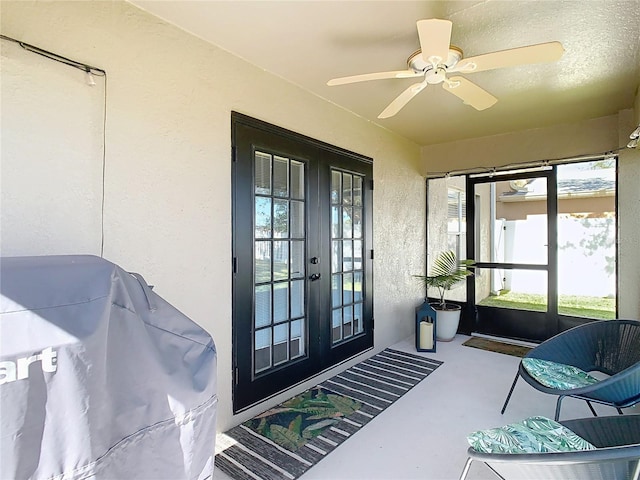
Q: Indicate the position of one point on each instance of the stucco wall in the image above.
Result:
(593, 136)
(64, 164)
(167, 202)
(629, 223)
(636, 108)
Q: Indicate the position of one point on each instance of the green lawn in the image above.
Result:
(577, 306)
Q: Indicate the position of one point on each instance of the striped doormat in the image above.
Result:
(339, 407)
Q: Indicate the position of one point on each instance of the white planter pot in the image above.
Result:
(447, 323)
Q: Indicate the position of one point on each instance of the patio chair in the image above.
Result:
(610, 347)
(616, 455)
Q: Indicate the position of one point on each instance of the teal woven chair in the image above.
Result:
(616, 455)
(611, 347)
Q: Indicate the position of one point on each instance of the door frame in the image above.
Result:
(537, 325)
(551, 321)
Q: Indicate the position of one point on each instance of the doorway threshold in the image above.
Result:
(510, 341)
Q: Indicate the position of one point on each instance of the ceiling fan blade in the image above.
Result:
(435, 37)
(469, 93)
(541, 53)
(374, 76)
(402, 99)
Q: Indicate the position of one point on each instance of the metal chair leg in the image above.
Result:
(513, 385)
(591, 408)
(466, 469)
(558, 405)
(636, 471)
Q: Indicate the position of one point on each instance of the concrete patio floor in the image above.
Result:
(423, 434)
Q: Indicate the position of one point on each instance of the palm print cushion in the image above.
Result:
(533, 435)
(557, 375)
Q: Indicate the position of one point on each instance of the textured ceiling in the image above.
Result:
(310, 42)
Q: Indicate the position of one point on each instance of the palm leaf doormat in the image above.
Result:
(287, 440)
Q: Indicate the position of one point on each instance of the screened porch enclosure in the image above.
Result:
(544, 241)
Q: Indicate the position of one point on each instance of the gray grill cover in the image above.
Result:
(99, 376)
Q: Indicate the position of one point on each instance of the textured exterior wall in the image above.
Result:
(562, 141)
(168, 165)
(50, 179)
(629, 223)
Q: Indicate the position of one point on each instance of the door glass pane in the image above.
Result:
(347, 288)
(280, 177)
(347, 228)
(280, 343)
(336, 187)
(517, 289)
(297, 180)
(280, 260)
(262, 173)
(358, 325)
(280, 301)
(356, 221)
(297, 259)
(512, 221)
(347, 322)
(280, 218)
(263, 305)
(336, 256)
(357, 254)
(586, 239)
(297, 219)
(263, 217)
(336, 290)
(297, 299)
(262, 259)
(346, 188)
(357, 190)
(335, 221)
(336, 327)
(262, 353)
(357, 286)
(297, 343)
(347, 255)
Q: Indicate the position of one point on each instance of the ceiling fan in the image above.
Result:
(437, 58)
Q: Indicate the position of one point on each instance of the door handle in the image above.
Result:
(314, 276)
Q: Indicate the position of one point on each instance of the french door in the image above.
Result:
(302, 258)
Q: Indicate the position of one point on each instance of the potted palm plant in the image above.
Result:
(446, 272)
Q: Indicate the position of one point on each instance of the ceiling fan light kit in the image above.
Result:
(635, 137)
(417, 63)
(437, 58)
